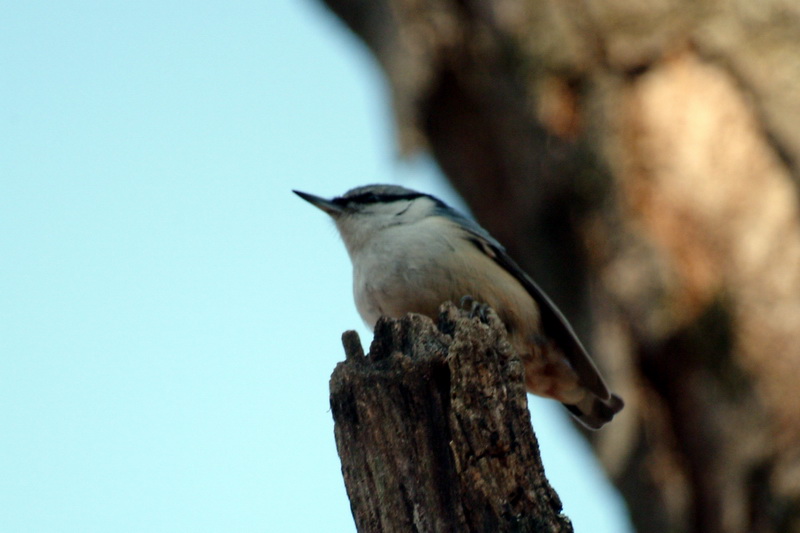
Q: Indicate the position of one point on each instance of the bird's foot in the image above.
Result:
(476, 309)
(467, 302)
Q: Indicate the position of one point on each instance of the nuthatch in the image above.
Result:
(411, 253)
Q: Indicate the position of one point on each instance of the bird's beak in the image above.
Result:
(326, 205)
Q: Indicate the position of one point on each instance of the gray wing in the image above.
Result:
(554, 323)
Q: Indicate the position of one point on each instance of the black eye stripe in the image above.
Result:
(374, 198)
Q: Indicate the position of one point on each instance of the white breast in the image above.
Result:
(405, 268)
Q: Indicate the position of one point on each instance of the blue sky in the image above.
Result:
(171, 313)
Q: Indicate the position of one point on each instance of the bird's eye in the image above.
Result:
(365, 198)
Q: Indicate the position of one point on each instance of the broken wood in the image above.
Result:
(434, 433)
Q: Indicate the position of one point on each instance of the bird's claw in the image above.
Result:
(467, 302)
(476, 309)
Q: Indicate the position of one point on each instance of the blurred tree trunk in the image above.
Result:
(642, 160)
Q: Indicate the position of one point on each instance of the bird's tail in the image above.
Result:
(594, 412)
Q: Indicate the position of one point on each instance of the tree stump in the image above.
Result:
(434, 433)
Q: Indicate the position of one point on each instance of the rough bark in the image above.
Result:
(642, 160)
(434, 433)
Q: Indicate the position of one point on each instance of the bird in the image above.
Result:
(411, 252)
